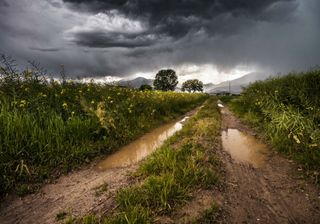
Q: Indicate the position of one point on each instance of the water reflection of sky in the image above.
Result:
(142, 147)
(244, 148)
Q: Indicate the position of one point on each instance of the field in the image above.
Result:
(287, 111)
(49, 128)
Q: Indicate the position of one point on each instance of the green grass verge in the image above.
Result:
(169, 176)
(48, 128)
(286, 110)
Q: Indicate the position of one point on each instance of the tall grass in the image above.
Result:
(47, 127)
(287, 110)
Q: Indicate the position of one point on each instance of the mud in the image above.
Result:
(142, 147)
(266, 192)
(271, 193)
(75, 193)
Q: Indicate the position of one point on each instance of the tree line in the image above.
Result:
(167, 80)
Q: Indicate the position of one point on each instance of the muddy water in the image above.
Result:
(244, 148)
(142, 147)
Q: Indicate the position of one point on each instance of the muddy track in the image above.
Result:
(74, 194)
(272, 193)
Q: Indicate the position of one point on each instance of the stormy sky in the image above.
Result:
(212, 40)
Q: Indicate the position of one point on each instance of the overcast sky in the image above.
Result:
(212, 40)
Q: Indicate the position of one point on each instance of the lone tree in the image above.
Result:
(192, 85)
(165, 80)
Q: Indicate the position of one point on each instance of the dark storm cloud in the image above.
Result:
(4, 3)
(98, 39)
(180, 17)
(45, 49)
(124, 37)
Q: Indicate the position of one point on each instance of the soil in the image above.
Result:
(74, 194)
(77, 193)
(272, 193)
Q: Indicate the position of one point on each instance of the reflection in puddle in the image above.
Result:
(244, 148)
(220, 105)
(142, 147)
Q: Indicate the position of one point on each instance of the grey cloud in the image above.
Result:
(55, 3)
(45, 49)
(4, 3)
(98, 39)
(270, 36)
(178, 18)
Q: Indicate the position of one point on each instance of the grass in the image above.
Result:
(287, 111)
(49, 128)
(170, 175)
(101, 189)
(61, 216)
(209, 215)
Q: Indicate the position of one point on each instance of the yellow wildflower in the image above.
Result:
(296, 139)
(23, 103)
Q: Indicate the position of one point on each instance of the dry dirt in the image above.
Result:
(272, 193)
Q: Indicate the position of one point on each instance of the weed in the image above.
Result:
(71, 220)
(209, 215)
(287, 110)
(90, 219)
(61, 215)
(134, 215)
(101, 189)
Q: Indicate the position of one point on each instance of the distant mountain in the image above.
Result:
(207, 86)
(100, 79)
(135, 83)
(237, 84)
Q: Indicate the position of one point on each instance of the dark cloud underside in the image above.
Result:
(102, 40)
(172, 18)
(125, 37)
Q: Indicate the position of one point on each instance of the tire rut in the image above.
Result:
(268, 194)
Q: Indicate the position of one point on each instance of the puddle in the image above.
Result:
(244, 148)
(142, 147)
(220, 105)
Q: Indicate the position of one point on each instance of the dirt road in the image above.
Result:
(74, 193)
(270, 193)
(78, 192)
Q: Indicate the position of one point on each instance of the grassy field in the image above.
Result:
(49, 128)
(287, 111)
(169, 177)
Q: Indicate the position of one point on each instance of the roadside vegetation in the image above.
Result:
(50, 127)
(173, 174)
(287, 111)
